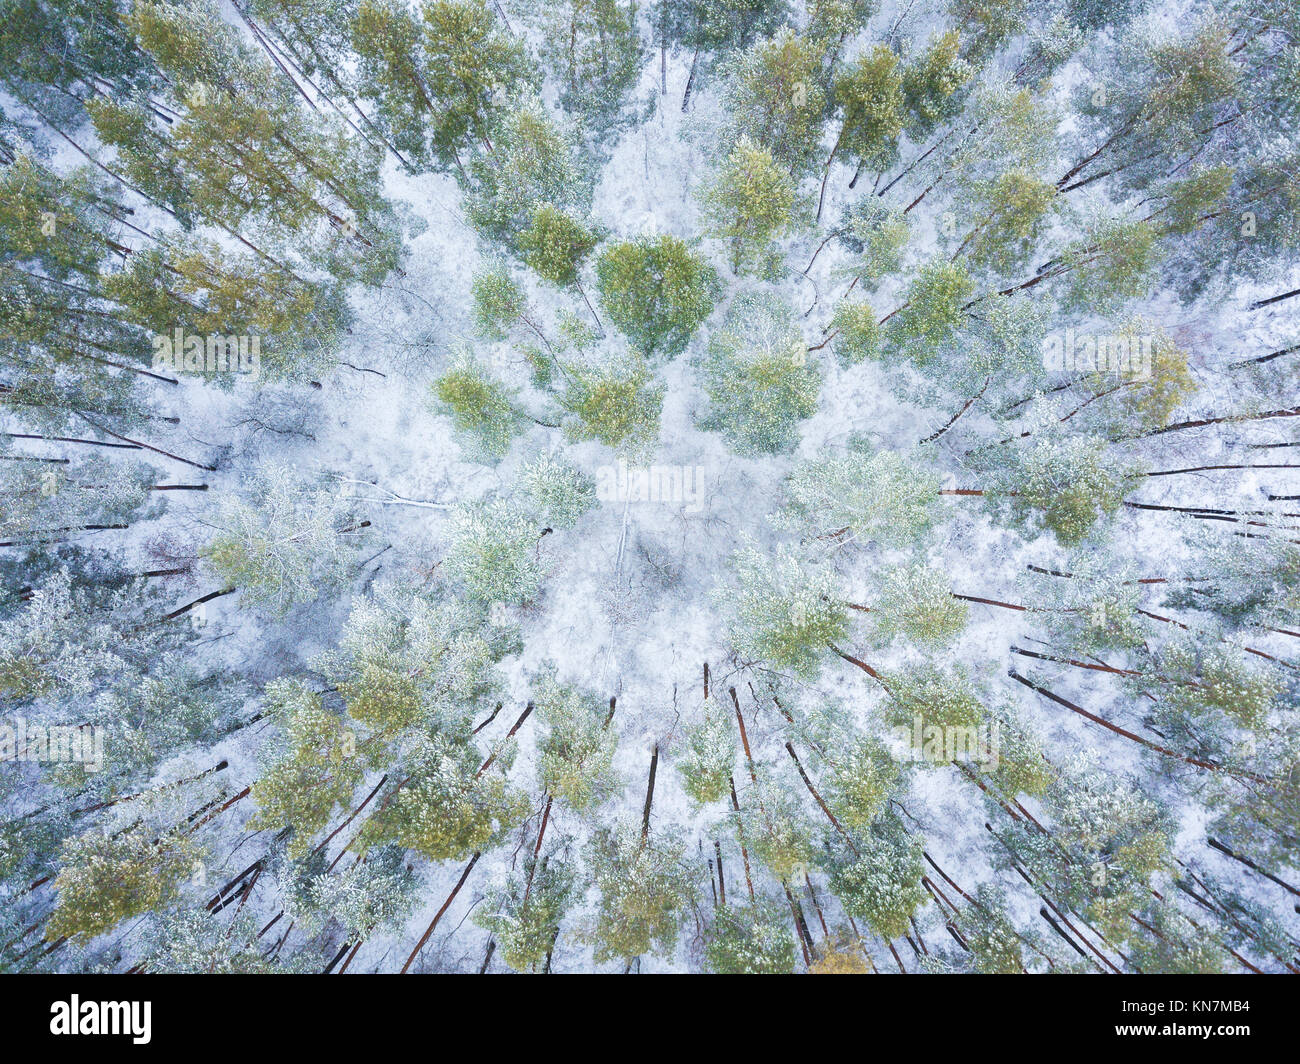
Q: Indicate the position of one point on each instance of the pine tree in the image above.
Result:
(656, 291)
(492, 552)
(1013, 213)
(645, 887)
(932, 313)
(758, 378)
(833, 22)
(374, 896)
(318, 36)
(30, 850)
(877, 234)
(192, 285)
(833, 960)
(931, 84)
(1096, 609)
(1019, 763)
(986, 26)
(753, 940)
(887, 497)
(284, 541)
(444, 807)
(593, 49)
(524, 913)
(938, 709)
(1257, 822)
(855, 331)
(1145, 401)
(996, 946)
(916, 602)
(53, 51)
(1056, 482)
(534, 163)
(406, 660)
(862, 777)
(559, 492)
(50, 403)
(1107, 839)
(1114, 263)
(55, 223)
(71, 642)
(555, 245)
(1244, 583)
(440, 80)
(881, 884)
(774, 99)
(310, 771)
(105, 879)
(55, 323)
(191, 942)
(984, 365)
(576, 756)
(482, 409)
(499, 302)
(1165, 92)
(777, 828)
(1050, 45)
(1197, 683)
(1189, 199)
(1174, 945)
(177, 705)
(295, 175)
(710, 756)
(749, 204)
(712, 28)
(1094, 14)
(617, 404)
(784, 611)
(44, 501)
(868, 97)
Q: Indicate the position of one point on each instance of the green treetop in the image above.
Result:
(492, 552)
(656, 291)
(753, 940)
(560, 492)
(440, 77)
(882, 883)
(784, 611)
(887, 497)
(710, 756)
(310, 771)
(758, 377)
(749, 203)
(941, 710)
(284, 541)
(916, 602)
(482, 409)
(576, 756)
(617, 404)
(645, 887)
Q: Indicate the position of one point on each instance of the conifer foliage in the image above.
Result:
(736, 486)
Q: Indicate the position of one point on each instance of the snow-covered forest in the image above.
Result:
(734, 486)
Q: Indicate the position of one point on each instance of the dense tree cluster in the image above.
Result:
(745, 486)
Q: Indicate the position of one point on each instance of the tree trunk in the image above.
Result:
(497, 749)
(649, 794)
(744, 853)
(198, 602)
(1275, 299)
(442, 909)
(690, 80)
